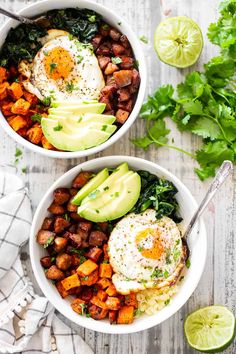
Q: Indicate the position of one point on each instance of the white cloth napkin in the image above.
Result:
(28, 323)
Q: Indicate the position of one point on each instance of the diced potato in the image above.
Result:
(130, 300)
(111, 290)
(78, 306)
(105, 270)
(71, 282)
(3, 90)
(46, 144)
(15, 90)
(35, 134)
(104, 283)
(102, 295)
(21, 106)
(62, 291)
(86, 268)
(90, 279)
(96, 301)
(17, 122)
(125, 315)
(113, 303)
(3, 74)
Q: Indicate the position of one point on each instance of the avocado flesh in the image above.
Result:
(71, 141)
(57, 103)
(79, 108)
(84, 118)
(90, 186)
(115, 202)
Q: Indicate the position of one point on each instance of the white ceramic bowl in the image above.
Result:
(197, 245)
(113, 19)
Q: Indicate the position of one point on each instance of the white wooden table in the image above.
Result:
(218, 283)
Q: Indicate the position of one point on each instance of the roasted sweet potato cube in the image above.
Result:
(71, 282)
(90, 279)
(104, 283)
(87, 268)
(94, 253)
(113, 303)
(3, 90)
(111, 68)
(105, 251)
(97, 313)
(6, 109)
(32, 99)
(54, 273)
(17, 122)
(35, 134)
(130, 300)
(125, 315)
(82, 178)
(123, 77)
(46, 144)
(21, 106)
(127, 62)
(112, 316)
(96, 301)
(118, 49)
(15, 91)
(102, 295)
(86, 294)
(121, 116)
(3, 74)
(105, 270)
(56, 209)
(22, 132)
(78, 306)
(62, 291)
(111, 290)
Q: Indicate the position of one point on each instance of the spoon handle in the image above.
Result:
(222, 174)
(16, 17)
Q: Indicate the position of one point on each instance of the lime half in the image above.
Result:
(178, 41)
(210, 329)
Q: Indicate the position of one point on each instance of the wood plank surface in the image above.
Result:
(218, 283)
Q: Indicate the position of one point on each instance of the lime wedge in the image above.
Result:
(178, 41)
(210, 329)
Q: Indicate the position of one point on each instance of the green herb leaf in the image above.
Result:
(36, 117)
(18, 152)
(58, 127)
(53, 66)
(143, 39)
(49, 241)
(116, 60)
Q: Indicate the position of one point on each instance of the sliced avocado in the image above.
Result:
(112, 201)
(84, 118)
(79, 108)
(66, 140)
(63, 103)
(91, 186)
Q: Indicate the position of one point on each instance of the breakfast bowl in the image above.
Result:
(74, 88)
(142, 302)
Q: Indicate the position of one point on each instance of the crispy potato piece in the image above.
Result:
(35, 134)
(97, 313)
(94, 253)
(60, 243)
(47, 224)
(130, 300)
(90, 279)
(21, 106)
(15, 91)
(86, 268)
(82, 178)
(3, 90)
(60, 224)
(121, 116)
(44, 235)
(71, 282)
(96, 301)
(63, 261)
(111, 68)
(17, 122)
(111, 290)
(102, 295)
(113, 303)
(78, 306)
(6, 109)
(54, 273)
(61, 195)
(112, 316)
(3, 74)
(104, 283)
(86, 294)
(32, 99)
(125, 315)
(62, 291)
(105, 270)
(46, 144)
(56, 209)
(46, 262)
(123, 77)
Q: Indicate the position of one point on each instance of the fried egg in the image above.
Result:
(63, 68)
(145, 252)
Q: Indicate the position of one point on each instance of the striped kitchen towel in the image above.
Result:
(28, 323)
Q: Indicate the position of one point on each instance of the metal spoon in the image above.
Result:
(40, 21)
(225, 169)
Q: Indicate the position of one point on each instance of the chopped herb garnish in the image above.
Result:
(167, 302)
(53, 259)
(181, 278)
(127, 297)
(166, 274)
(36, 117)
(88, 315)
(79, 119)
(70, 36)
(24, 169)
(157, 273)
(70, 87)
(140, 248)
(85, 278)
(104, 128)
(106, 188)
(48, 242)
(52, 67)
(47, 101)
(119, 23)
(82, 259)
(66, 217)
(79, 59)
(143, 39)
(136, 64)
(92, 18)
(45, 53)
(97, 211)
(137, 313)
(58, 127)
(116, 60)
(188, 263)
(18, 152)
(117, 194)
(79, 252)
(83, 308)
(106, 261)
(105, 27)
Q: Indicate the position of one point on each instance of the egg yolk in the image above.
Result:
(58, 63)
(149, 244)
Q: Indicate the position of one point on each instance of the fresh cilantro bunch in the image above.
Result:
(204, 104)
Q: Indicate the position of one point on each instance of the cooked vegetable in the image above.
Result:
(90, 279)
(86, 268)
(125, 315)
(71, 282)
(78, 306)
(157, 194)
(105, 270)
(204, 104)
(54, 273)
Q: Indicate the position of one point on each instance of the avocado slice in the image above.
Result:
(79, 108)
(84, 118)
(57, 103)
(71, 140)
(112, 201)
(90, 186)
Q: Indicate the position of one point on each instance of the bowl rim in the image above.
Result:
(83, 321)
(138, 52)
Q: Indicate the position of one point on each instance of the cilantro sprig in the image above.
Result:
(203, 105)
